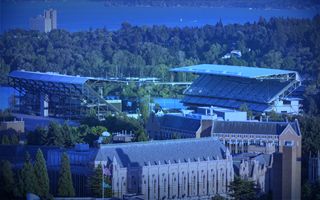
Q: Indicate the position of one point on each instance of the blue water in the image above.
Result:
(82, 15)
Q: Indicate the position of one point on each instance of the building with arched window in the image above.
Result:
(168, 169)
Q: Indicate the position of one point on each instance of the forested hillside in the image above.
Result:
(292, 44)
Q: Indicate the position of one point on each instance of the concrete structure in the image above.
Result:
(260, 89)
(224, 113)
(58, 95)
(122, 137)
(17, 126)
(179, 125)
(171, 169)
(261, 149)
(44, 23)
(255, 167)
(266, 137)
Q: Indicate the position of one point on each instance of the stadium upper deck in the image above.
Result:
(261, 89)
(58, 95)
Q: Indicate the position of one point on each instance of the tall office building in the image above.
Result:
(44, 23)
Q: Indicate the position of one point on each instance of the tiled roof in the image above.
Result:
(141, 153)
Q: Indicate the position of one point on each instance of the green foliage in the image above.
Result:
(245, 108)
(310, 129)
(55, 136)
(6, 115)
(95, 183)
(10, 139)
(144, 108)
(65, 185)
(5, 139)
(218, 197)
(242, 189)
(141, 136)
(310, 191)
(7, 182)
(275, 116)
(38, 136)
(151, 51)
(28, 181)
(41, 174)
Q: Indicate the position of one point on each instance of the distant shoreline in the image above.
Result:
(272, 5)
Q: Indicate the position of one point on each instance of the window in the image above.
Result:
(288, 143)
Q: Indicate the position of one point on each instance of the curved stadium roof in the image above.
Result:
(238, 71)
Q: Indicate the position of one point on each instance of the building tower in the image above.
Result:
(46, 22)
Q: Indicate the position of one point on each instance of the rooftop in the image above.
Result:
(139, 154)
(238, 71)
(50, 77)
(249, 127)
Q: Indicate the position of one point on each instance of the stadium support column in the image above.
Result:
(44, 105)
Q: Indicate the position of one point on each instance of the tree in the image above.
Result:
(95, 182)
(41, 174)
(242, 189)
(65, 185)
(14, 139)
(28, 177)
(38, 136)
(55, 136)
(5, 139)
(245, 108)
(141, 136)
(7, 183)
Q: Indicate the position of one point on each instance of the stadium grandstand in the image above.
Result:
(260, 89)
(55, 95)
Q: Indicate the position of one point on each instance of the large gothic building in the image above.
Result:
(169, 169)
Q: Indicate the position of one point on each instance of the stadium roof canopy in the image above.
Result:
(51, 77)
(237, 71)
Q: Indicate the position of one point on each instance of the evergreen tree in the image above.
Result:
(95, 182)
(242, 189)
(65, 186)
(6, 180)
(28, 177)
(41, 173)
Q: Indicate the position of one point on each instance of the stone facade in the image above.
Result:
(178, 178)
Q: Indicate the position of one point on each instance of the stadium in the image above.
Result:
(55, 95)
(260, 89)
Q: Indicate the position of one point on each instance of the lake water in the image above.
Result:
(82, 15)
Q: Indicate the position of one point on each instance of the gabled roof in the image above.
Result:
(267, 128)
(50, 77)
(180, 122)
(139, 154)
(238, 71)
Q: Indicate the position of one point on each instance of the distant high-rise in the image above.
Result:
(46, 22)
